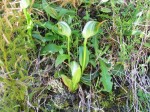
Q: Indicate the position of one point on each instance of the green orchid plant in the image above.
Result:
(91, 28)
(64, 29)
(24, 4)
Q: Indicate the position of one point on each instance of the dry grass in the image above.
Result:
(75, 3)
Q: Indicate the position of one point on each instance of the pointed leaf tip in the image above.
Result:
(91, 28)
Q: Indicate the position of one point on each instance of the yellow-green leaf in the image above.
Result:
(67, 82)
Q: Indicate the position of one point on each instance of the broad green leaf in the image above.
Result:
(90, 29)
(51, 37)
(105, 77)
(64, 29)
(61, 58)
(86, 79)
(50, 26)
(24, 4)
(81, 51)
(49, 10)
(39, 37)
(95, 45)
(67, 82)
(118, 70)
(93, 62)
(50, 48)
(47, 37)
(76, 73)
(65, 12)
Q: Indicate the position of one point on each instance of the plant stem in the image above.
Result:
(84, 55)
(68, 48)
(29, 21)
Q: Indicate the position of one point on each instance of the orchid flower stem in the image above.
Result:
(84, 55)
(68, 48)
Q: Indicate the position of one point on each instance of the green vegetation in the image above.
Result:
(74, 55)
